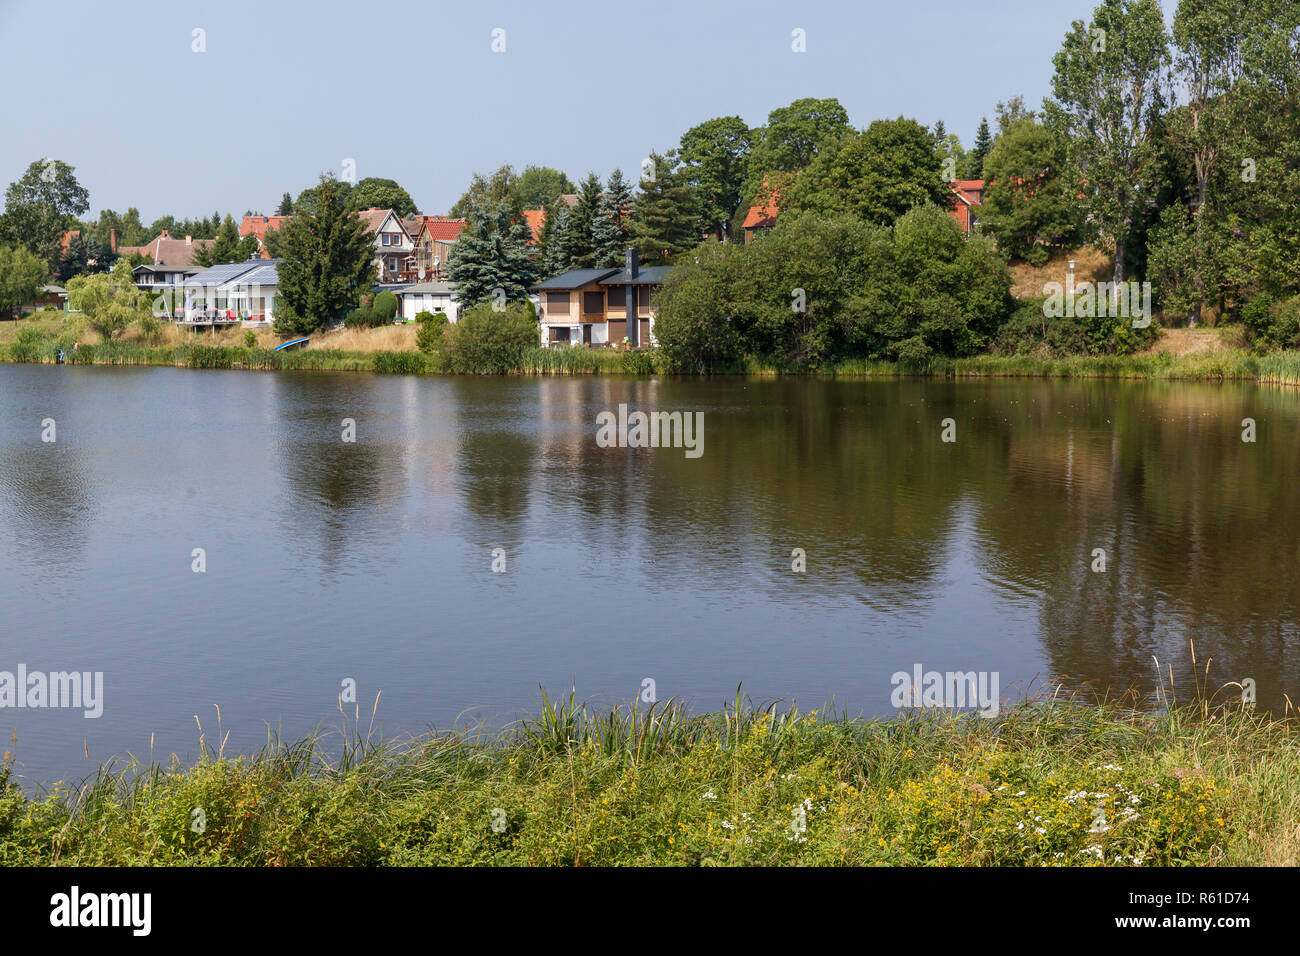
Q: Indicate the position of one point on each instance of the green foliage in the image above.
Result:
(715, 164)
(228, 247)
(610, 231)
(814, 291)
(1107, 91)
(539, 186)
(1031, 331)
(385, 307)
(877, 175)
(428, 334)
(362, 317)
(579, 784)
(485, 341)
(327, 262)
(250, 339)
(109, 301)
(491, 192)
(491, 254)
(1273, 324)
(375, 193)
(400, 363)
(1028, 204)
(792, 138)
(665, 222)
(22, 275)
(979, 151)
(41, 205)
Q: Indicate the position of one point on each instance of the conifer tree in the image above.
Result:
(612, 228)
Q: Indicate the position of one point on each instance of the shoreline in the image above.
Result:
(1275, 368)
(1048, 782)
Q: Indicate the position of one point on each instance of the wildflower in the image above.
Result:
(709, 795)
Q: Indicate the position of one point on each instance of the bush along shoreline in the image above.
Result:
(1047, 782)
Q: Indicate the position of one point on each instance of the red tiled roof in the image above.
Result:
(536, 218)
(969, 191)
(760, 217)
(443, 228)
(260, 225)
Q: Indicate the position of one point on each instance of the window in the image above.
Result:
(557, 303)
(562, 334)
(642, 297)
(593, 303)
(617, 297)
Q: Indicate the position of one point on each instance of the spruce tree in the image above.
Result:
(286, 206)
(975, 158)
(664, 222)
(553, 238)
(491, 254)
(612, 228)
(582, 222)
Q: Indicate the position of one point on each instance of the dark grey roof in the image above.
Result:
(573, 279)
(646, 275)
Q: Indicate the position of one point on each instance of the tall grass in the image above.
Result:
(1199, 782)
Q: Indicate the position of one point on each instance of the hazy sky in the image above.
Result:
(413, 91)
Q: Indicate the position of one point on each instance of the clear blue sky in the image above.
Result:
(413, 92)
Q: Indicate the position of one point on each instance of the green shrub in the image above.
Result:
(362, 317)
(486, 342)
(209, 356)
(250, 339)
(428, 337)
(384, 308)
(1270, 324)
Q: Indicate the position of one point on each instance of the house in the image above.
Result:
(259, 226)
(761, 217)
(970, 195)
(536, 218)
(394, 247)
(166, 281)
(433, 245)
(50, 296)
(591, 306)
(430, 296)
(236, 292)
(165, 250)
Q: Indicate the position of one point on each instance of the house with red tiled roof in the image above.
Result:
(259, 226)
(164, 250)
(433, 245)
(970, 196)
(762, 216)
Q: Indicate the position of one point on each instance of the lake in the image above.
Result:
(326, 561)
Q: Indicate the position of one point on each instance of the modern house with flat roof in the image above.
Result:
(593, 306)
(234, 293)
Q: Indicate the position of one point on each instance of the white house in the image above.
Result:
(425, 297)
(394, 246)
(241, 292)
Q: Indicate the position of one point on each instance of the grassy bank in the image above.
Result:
(1046, 783)
(392, 350)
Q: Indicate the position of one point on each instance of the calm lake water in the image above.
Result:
(372, 560)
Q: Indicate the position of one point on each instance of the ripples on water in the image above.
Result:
(372, 560)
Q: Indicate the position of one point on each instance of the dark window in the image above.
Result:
(557, 303)
(561, 334)
(593, 303)
(643, 297)
(617, 297)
